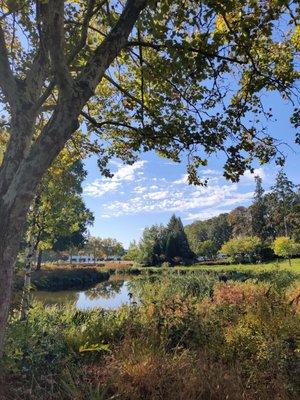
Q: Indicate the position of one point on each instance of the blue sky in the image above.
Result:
(154, 188)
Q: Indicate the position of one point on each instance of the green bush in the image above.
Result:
(243, 249)
(247, 331)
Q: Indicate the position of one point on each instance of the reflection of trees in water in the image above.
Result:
(135, 289)
(104, 290)
(135, 286)
(62, 297)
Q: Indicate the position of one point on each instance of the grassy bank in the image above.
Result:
(56, 277)
(191, 337)
(63, 278)
(281, 273)
(272, 266)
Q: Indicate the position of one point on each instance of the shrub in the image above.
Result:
(166, 265)
(239, 293)
(285, 247)
(244, 249)
(189, 337)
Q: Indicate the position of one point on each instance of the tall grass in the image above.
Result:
(190, 337)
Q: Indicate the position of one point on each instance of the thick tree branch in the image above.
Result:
(84, 31)
(7, 80)
(52, 14)
(100, 125)
(38, 70)
(111, 46)
(64, 120)
(76, 50)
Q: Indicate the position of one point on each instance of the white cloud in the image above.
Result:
(238, 198)
(157, 195)
(98, 188)
(140, 189)
(127, 172)
(183, 179)
(210, 172)
(248, 176)
(124, 173)
(210, 199)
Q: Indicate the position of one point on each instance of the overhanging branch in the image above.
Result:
(52, 14)
(159, 47)
(100, 125)
(111, 46)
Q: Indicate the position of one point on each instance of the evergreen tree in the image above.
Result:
(259, 211)
(175, 224)
(177, 245)
(281, 203)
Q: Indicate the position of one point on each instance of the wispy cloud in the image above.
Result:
(124, 173)
(183, 179)
(135, 192)
(205, 214)
(176, 199)
(249, 176)
(157, 195)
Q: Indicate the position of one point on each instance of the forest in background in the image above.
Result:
(246, 233)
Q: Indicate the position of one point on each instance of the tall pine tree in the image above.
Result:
(282, 202)
(259, 211)
(177, 245)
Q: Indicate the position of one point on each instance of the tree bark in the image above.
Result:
(39, 260)
(26, 161)
(25, 302)
(10, 234)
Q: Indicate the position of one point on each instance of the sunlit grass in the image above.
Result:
(282, 265)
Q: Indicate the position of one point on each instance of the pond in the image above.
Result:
(106, 295)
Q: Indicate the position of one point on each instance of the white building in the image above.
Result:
(81, 259)
(87, 259)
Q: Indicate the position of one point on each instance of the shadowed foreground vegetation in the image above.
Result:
(190, 337)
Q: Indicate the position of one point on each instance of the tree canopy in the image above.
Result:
(194, 71)
(182, 78)
(58, 217)
(161, 244)
(103, 247)
(271, 214)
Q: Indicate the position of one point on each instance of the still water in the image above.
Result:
(107, 295)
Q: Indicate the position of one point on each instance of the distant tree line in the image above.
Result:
(250, 232)
(269, 227)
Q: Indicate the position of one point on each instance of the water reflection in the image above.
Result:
(105, 290)
(107, 295)
(59, 297)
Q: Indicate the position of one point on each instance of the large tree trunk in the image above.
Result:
(6, 262)
(26, 160)
(10, 234)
